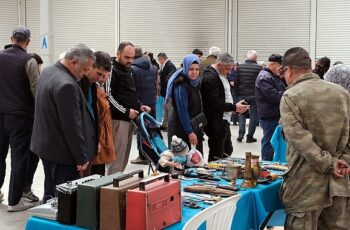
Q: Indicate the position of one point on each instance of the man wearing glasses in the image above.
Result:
(268, 92)
(315, 116)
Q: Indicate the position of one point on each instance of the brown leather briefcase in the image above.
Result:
(113, 200)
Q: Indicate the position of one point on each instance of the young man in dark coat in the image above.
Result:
(167, 68)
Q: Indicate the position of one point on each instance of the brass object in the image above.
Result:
(248, 174)
(256, 169)
(233, 172)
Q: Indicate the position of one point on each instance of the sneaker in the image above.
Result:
(30, 196)
(139, 161)
(251, 140)
(240, 138)
(22, 205)
(1, 196)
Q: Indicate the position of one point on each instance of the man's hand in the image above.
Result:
(341, 169)
(145, 108)
(81, 168)
(192, 137)
(241, 107)
(133, 113)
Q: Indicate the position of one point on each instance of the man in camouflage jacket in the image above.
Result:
(315, 116)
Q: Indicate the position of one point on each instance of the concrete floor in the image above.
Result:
(17, 220)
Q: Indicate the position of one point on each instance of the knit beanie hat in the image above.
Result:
(178, 146)
(339, 74)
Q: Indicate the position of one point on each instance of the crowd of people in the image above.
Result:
(76, 114)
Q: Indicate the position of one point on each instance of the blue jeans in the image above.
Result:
(253, 116)
(268, 130)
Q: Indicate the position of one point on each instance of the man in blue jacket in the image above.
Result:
(146, 87)
(269, 88)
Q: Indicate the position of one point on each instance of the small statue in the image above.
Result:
(248, 174)
(256, 169)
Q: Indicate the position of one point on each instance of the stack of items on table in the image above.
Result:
(116, 201)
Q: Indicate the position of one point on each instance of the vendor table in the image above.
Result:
(252, 209)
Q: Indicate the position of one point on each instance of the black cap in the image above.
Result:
(275, 58)
(296, 56)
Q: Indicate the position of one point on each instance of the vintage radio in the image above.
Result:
(156, 204)
(88, 201)
(67, 199)
(113, 200)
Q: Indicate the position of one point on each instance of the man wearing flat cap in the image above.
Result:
(269, 88)
(18, 75)
(315, 116)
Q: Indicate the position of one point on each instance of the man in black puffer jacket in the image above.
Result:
(245, 88)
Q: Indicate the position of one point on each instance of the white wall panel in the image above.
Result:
(84, 21)
(8, 20)
(271, 26)
(174, 27)
(333, 30)
(32, 15)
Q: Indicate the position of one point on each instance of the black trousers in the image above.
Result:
(219, 142)
(55, 174)
(15, 131)
(32, 164)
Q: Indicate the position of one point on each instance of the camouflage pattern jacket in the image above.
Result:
(315, 116)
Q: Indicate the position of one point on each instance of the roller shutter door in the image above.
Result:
(271, 26)
(8, 21)
(33, 23)
(333, 30)
(83, 21)
(173, 27)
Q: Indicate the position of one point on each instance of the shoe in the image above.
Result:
(139, 161)
(251, 140)
(1, 196)
(240, 138)
(22, 205)
(30, 196)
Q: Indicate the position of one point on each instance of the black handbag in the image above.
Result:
(198, 122)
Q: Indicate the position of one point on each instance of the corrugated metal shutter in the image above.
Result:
(84, 21)
(8, 21)
(333, 30)
(272, 26)
(174, 27)
(33, 23)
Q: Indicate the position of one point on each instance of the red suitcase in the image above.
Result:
(154, 206)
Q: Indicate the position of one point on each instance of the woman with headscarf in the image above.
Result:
(339, 74)
(183, 89)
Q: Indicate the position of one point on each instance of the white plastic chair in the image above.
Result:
(219, 216)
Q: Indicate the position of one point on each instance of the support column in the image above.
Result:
(234, 34)
(46, 31)
(117, 24)
(21, 4)
(313, 31)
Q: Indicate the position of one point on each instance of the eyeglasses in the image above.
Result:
(282, 69)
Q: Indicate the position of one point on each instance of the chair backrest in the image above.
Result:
(219, 216)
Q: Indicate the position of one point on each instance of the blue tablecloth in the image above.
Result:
(279, 146)
(252, 208)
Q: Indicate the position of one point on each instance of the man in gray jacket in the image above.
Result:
(64, 136)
